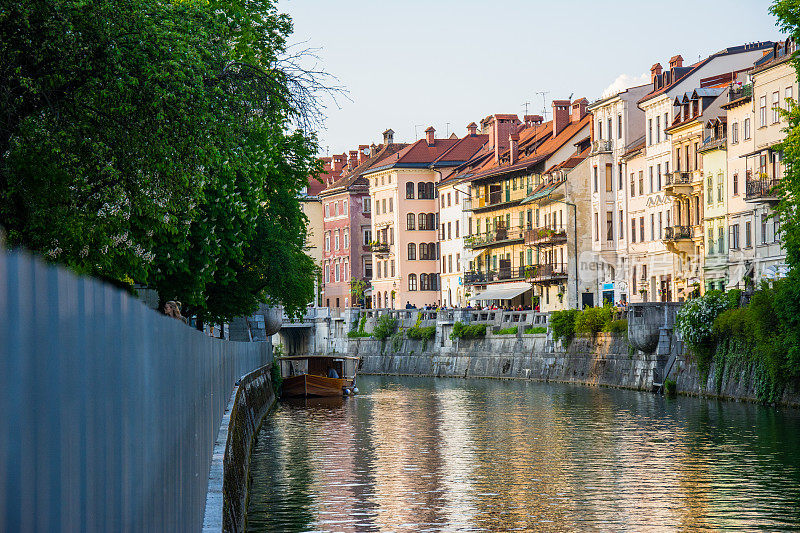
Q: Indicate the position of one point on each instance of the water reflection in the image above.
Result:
(417, 454)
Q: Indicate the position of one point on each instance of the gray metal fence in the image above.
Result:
(108, 410)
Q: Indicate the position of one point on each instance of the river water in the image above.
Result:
(426, 454)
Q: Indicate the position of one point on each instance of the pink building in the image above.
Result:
(346, 221)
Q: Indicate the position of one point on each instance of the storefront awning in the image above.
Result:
(505, 291)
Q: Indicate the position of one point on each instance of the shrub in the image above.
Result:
(670, 387)
(354, 334)
(462, 331)
(508, 331)
(617, 327)
(563, 324)
(592, 320)
(385, 327)
(533, 330)
(419, 333)
(695, 323)
(734, 296)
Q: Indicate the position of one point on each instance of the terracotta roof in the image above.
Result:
(418, 154)
(347, 179)
(463, 150)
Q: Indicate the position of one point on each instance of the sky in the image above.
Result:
(410, 64)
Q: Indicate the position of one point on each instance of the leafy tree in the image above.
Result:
(157, 142)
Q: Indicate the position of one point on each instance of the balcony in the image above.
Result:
(546, 274)
(676, 233)
(678, 239)
(495, 198)
(488, 238)
(380, 248)
(476, 277)
(745, 91)
(602, 146)
(714, 144)
(545, 236)
(765, 189)
(678, 184)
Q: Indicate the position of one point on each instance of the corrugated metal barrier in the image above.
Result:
(108, 410)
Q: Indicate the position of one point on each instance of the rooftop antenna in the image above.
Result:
(415, 130)
(544, 103)
(526, 104)
(327, 151)
(570, 96)
(447, 130)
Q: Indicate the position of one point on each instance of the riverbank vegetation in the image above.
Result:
(164, 144)
(535, 330)
(507, 331)
(463, 331)
(569, 323)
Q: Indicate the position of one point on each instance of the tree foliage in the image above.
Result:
(157, 142)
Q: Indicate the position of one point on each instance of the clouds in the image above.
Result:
(625, 81)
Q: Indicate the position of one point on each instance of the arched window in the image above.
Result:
(423, 250)
(410, 190)
(423, 282)
(433, 279)
(412, 251)
(379, 300)
(429, 190)
(410, 221)
(431, 222)
(386, 298)
(412, 282)
(422, 221)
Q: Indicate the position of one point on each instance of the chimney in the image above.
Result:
(326, 161)
(560, 115)
(353, 161)
(655, 71)
(388, 137)
(373, 149)
(579, 109)
(429, 136)
(513, 146)
(472, 129)
(363, 153)
(533, 120)
(499, 127)
(338, 163)
(676, 62)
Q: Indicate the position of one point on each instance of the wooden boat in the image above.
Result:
(306, 376)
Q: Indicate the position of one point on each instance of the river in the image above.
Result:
(427, 454)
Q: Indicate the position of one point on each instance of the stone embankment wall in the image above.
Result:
(253, 400)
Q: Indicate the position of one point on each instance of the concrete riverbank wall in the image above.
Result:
(641, 360)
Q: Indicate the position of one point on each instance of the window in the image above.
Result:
(336, 270)
(456, 196)
(412, 251)
(429, 191)
(365, 207)
(776, 107)
(367, 269)
(651, 179)
(762, 111)
(710, 190)
(391, 208)
(456, 229)
(666, 123)
(410, 218)
(641, 229)
(344, 208)
(450, 263)
(609, 226)
(658, 177)
(658, 129)
(595, 179)
(787, 96)
(421, 219)
(420, 190)
(733, 240)
(609, 178)
(392, 265)
(641, 182)
(458, 261)
(442, 202)
(346, 237)
(720, 187)
(367, 236)
(748, 235)
(619, 126)
(412, 282)
(409, 191)
(633, 230)
(649, 131)
(633, 185)
(746, 127)
(383, 206)
(720, 239)
(710, 241)
(735, 184)
(423, 282)
(735, 133)
(696, 156)
(652, 226)
(327, 273)
(610, 135)
(391, 235)
(448, 196)
(763, 229)
(596, 227)
(449, 233)
(660, 225)
(776, 230)
(621, 229)
(328, 241)
(621, 177)
(336, 209)
(599, 129)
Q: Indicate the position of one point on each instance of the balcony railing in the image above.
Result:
(601, 146)
(740, 92)
(678, 178)
(762, 189)
(379, 248)
(475, 277)
(547, 273)
(545, 236)
(674, 233)
(480, 240)
(712, 144)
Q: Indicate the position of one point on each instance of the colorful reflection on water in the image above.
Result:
(424, 454)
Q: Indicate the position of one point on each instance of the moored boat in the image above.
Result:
(309, 376)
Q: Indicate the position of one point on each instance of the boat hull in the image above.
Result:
(311, 386)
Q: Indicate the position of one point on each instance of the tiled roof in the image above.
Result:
(418, 154)
(463, 150)
(347, 178)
